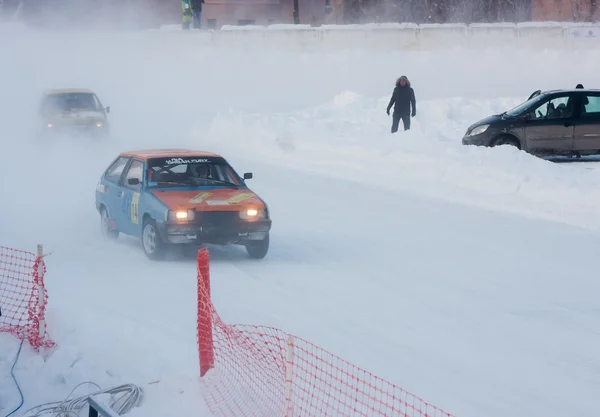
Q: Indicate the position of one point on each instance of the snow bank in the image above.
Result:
(348, 138)
(52, 380)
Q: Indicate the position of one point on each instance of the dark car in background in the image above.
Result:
(73, 111)
(550, 123)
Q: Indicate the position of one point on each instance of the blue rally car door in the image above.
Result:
(131, 186)
(109, 192)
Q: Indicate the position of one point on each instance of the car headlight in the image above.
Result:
(253, 214)
(479, 130)
(181, 215)
(99, 123)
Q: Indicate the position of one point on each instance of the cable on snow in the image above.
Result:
(12, 373)
(123, 399)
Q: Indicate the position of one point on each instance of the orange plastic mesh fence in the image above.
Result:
(23, 296)
(264, 372)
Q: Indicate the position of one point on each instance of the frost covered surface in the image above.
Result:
(290, 27)
(243, 28)
(369, 26)
(454, 272)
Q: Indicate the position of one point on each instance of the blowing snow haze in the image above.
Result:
(466, 276)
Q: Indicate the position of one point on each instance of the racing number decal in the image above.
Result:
(135, 208)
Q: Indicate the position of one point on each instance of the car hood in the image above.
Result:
(488, 120)
(224, 199)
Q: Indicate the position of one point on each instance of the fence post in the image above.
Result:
(289, 374)
(205, 314)
(41, 298)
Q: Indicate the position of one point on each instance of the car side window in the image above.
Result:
(560, 107)
(590, 106)
(113, 173)
(136, 170)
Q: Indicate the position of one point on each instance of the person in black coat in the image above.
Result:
(196, 6)
(403, 98)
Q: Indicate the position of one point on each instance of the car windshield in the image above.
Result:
(194, 171)
(516, 111)
(70, 101)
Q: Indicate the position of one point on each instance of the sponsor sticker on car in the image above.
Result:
(217, 202)
(240, 197)
(200, 198)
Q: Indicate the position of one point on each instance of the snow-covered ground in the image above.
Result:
(465, 275)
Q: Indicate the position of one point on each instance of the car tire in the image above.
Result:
(107, 232)
(258, 249)
(507, 140)
(153, 246)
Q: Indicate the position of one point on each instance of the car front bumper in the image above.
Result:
(216, 228)
(87, 127)
(477, 140)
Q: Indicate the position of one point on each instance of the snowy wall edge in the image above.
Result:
(546, 35)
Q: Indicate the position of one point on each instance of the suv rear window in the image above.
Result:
(591, 108)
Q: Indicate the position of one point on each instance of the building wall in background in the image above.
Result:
(566, 10)
(216, 13)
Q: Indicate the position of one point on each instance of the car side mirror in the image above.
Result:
(526, 116)
(133, 181)
(248, 176)
(108, 109)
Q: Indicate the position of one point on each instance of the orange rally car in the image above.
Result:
(181, 196)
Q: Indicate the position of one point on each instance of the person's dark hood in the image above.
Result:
(405, 78)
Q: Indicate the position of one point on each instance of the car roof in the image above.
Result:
(572, 90)
(146, 154)
(67, 90)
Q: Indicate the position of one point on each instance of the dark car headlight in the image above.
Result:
(478, 130)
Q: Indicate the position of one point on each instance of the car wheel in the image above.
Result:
(507, 140)
(153, 246)
(258, 249)
(105, 226)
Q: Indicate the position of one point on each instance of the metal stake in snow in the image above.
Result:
(41, 297)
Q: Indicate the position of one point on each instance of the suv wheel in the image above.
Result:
(507, 140)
